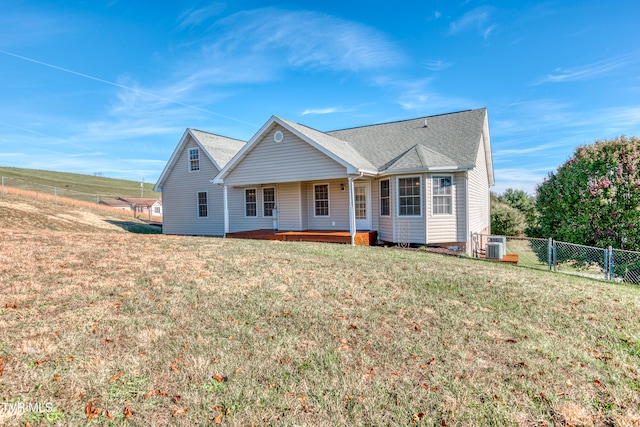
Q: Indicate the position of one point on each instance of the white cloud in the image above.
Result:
(329, 110)
(476, 19)
(436, 65)
(193, 17)
(589, 71)
(301, 39)
(419, 95)
(520, 179)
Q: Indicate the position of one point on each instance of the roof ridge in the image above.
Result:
(407, 120)
(216, 134)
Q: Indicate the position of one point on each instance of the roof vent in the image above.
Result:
(425, 123)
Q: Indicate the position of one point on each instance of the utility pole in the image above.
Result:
(142, 188)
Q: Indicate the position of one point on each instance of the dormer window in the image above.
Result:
(194, 160)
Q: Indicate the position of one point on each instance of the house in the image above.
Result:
(144, 205)
(192, 205)
(419, 181)
(116, 204)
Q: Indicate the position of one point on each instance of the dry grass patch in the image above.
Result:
(161, 330)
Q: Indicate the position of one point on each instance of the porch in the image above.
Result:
(362, 238)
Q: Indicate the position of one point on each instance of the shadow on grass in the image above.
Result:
(137, 227)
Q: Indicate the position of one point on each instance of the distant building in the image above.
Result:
(140, 205)
(144, 205)
(116, 204)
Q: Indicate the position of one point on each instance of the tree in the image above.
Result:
(594, 197)
(506, 220)
(523, 202)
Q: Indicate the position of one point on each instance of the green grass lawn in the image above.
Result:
(113, 328)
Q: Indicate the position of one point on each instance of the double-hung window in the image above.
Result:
(194, 160)
(268, 201)
(203, 208)
(321, 199)
(409, 196)
(442, 196)
(250, 202)
(384, 198)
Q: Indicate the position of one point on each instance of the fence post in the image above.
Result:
(55, 196)
(611, 266)
(550, 252)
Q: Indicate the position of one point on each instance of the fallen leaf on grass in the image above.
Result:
(108, 415)
(92, 412)
(218, 378)
(127, 412)
(180, 411)
(55, 377)
(107, 340)
(10, 305)
(218, 418)
(115, 377)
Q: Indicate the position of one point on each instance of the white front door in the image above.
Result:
(362, 196)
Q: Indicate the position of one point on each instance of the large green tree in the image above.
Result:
(594, 197)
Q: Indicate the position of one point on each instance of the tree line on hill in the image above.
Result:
(592, 199)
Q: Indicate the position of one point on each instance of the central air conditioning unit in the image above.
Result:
(501, 239)
(495, 250)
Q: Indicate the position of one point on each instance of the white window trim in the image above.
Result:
(244, 192)
(275, 201)
(328, 200)
(198, 204)
(433, 177)
(388, 197)
(398, 196)
(189, 161)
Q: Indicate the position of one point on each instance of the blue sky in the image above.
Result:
(110, 86)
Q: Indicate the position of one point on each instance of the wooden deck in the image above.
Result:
(363, 238)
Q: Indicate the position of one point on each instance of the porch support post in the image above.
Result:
(352, 212)
(226, 211)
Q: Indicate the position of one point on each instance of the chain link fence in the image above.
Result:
(46, 192)
(624, 266)
(562, 257)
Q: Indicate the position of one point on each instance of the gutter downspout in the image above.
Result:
(226, 211)
(469, 239)
(352, 212)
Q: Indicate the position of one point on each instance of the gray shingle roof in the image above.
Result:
(448, 140)
(334, 145)
(220, 148)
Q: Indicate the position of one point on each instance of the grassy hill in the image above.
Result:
(21, 213)
(115, 328)
(35, 180)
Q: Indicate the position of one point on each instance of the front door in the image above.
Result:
(362, 193)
